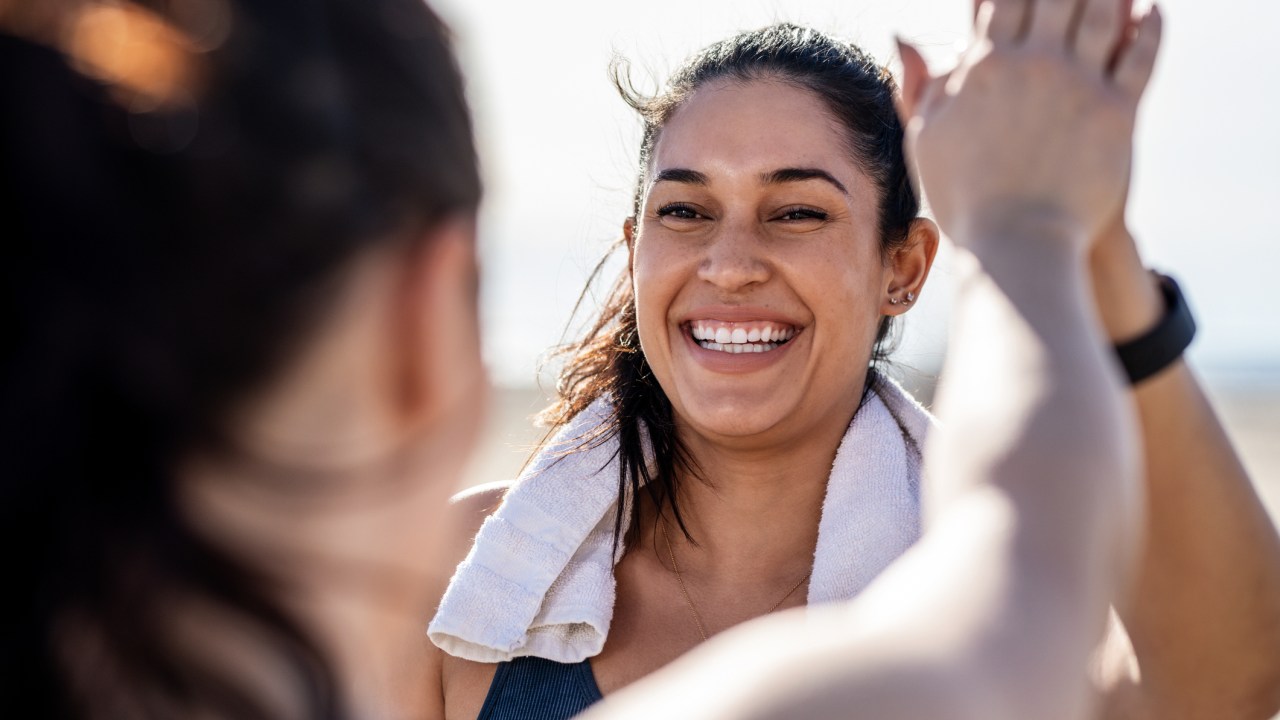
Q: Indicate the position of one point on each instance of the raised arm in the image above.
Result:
(1204, 614)
(1033, 479)
(1203, 617)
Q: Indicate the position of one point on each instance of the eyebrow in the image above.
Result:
(776, 177)
(786, 175)
(681, 175)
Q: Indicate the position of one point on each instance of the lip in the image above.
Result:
(737, 313)
(736, 363)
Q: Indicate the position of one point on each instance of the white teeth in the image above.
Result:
(736, 349)
(724, 338)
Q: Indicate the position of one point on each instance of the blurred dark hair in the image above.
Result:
(608, 361)
(161, 258)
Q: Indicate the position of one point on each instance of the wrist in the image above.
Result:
(1012, 231)
(1127, 297)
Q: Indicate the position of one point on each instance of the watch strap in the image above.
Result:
(1160, 346)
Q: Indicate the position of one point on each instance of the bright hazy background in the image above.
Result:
(559, 153)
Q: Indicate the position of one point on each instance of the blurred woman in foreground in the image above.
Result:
(241, 365)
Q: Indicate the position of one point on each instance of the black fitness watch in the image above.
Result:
(1160, 346)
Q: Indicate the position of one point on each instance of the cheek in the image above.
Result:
(844, 288)
(655, 280)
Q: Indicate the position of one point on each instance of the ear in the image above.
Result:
(629, 236)
(909, 266)
(436, 338)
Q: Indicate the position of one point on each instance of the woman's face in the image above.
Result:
(756, 263)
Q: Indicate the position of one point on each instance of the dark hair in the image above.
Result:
(608, 361)
(165, 250)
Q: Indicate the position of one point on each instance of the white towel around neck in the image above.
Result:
(539, 578)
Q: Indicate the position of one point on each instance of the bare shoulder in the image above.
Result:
(470, 508)
(466, 512)
(465, 686)
(460, 685)
(482, 499)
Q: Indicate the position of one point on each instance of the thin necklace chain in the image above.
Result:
(697, 617)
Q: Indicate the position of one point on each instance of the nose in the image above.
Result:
(735, 259)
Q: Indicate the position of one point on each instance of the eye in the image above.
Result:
(678, 211)
(801, 214)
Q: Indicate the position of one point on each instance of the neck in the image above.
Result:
(355, 569)
(753, 512)
(375, 637)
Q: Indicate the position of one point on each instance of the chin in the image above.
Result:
(736, 417)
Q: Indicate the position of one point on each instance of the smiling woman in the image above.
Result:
(772, 184)
(774, 238)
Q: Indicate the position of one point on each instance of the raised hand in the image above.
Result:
(1035, 124)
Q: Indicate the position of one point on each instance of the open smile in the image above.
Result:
(752, 336)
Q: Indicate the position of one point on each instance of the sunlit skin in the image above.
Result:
(752, 211)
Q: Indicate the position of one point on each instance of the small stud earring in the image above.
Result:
(911, 297)
(893, 301)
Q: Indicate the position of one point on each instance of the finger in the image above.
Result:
(1001, 21)
(915, 76)
(933, 93)
(1050, 23)
(1133, 69)
(1130, 29)
(1099, 32)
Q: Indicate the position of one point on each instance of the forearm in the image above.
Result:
(1029, 380)
(1204, 614)
(1034, 411)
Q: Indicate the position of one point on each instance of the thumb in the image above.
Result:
(915, 77)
